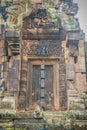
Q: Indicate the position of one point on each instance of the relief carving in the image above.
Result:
(22, 103)
(41, 48)
(41, 18)
(29, 47)
(73, 50)
(22, 93)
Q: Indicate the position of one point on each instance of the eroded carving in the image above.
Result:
(41, 48)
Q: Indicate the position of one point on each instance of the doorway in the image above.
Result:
(43, 84)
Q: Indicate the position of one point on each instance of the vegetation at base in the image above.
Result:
(15, 128)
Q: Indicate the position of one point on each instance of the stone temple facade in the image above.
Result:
(43, 71)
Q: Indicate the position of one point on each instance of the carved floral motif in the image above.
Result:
(41, 48)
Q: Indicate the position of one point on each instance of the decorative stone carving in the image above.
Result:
(41, 48)
(22, 104)
(29, 47)
(41, 18)
(13, 74)
(14, 19)
(38, 113)
(70, 69)
(66, 12)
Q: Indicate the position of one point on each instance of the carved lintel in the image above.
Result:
(41, 48)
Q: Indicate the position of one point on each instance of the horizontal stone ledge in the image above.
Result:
(42, 34)
(11, 33)
(40, 30)
(42, 37)
(29, 120)
(75, 35)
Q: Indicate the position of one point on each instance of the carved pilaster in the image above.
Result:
(81, 57)
(80, 67)
(23, 84)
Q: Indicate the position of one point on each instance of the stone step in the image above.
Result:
(74, 95)
(54, 114)
(73, 92)
(47, 114)
(76, 99)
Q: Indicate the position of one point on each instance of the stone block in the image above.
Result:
(36, 1)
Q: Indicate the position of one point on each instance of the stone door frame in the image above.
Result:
(44, 61)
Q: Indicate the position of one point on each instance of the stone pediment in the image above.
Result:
(41, 18)
(40, 25)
